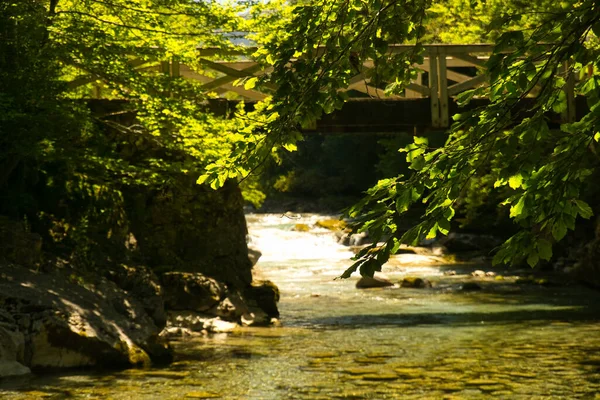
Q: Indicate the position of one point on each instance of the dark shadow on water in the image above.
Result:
(534, 317)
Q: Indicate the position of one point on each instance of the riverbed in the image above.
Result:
(506, 341)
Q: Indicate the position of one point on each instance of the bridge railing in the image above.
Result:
(447, 70)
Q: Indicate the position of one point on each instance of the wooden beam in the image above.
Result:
(227, 78)
(471, 83)
(471, 60)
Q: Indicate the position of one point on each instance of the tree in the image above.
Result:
(62, 168)
(544, 172)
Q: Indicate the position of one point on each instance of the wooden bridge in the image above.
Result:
(427, 102)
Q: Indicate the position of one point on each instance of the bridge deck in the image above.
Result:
(447, 70)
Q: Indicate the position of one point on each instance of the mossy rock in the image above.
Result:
(301, 228)
(332, 224)
(415, 283)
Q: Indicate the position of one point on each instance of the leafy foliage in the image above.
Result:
(539, 168)
(63, 167)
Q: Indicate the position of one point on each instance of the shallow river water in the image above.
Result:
(508, 341)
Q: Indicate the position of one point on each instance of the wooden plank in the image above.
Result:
(420, 89)
(433, 86)
(248, 94)
(471, 60)
(227, 78)
(471, 83)
(364, 87)
(223, 68)
(452, 75)
(443, 84)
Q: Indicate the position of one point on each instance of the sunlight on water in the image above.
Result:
(278, 241)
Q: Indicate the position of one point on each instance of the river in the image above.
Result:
(337, 342)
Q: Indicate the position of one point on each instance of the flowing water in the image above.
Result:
(508, 341)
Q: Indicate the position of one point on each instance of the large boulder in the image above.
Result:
(12, 347)
(68, 322)
(191, 291)
(263, 295)
(192, 228)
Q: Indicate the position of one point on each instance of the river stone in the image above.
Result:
(232, 308)
(67, 324)
(255, 317)
(263, 295)
(415, 283)
(191, 291)
(366, 282)
(216, 325)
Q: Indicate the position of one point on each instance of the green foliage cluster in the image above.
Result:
(63, 167)
(539, 169)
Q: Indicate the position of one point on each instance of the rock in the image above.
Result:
(186, 319)
(256, 318)
(143, 284)
(12, 368)
(231, 308)
(12, 348)
(415, 283)
(67, 324)
(191, 291)
(254, 255)
(183, 226)
(353, 239)
(450, 273)
(301, 228)
(470, 287)
(216, 325)
(478, 273)
(331, 224)
(366, 282)
(264, 295)
(490, 274)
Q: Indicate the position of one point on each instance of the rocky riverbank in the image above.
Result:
(125, 318)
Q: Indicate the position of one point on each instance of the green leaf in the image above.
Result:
(544, 249)
(517, 209)
(443, 226)
(559, 229)
(584, 209)
(250, 83)
(515, 181)
(533, 259)
(202, 179)
(418, 163)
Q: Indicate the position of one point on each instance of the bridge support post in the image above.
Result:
(433, 88)
(570, 114)
(443, 87)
